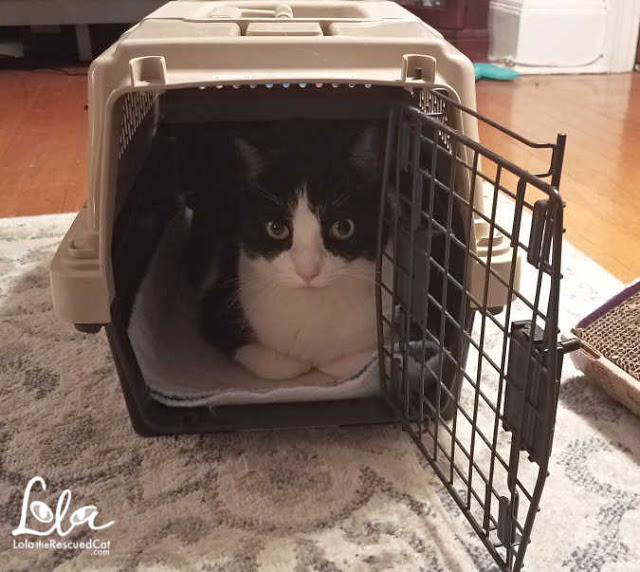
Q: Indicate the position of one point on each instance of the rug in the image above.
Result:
(325, 500)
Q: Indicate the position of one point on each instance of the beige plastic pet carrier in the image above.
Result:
(464, 223)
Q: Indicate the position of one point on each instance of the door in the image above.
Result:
(478, 400)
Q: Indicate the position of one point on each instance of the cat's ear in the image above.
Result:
(366, 150)
(252, 160)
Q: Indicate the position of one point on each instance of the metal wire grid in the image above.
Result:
(449, 383)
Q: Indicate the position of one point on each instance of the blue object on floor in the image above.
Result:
(489, 71)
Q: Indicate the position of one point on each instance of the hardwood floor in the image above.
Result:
(43, 139)
(43, 133)
(601, 177)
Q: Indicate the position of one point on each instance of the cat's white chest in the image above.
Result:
(316, 325)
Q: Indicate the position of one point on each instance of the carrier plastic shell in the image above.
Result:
(202, 44)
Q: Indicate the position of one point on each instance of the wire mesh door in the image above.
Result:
(467, 236)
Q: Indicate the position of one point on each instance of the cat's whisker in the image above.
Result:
(340, 199)
(270, 196)
(358, 276)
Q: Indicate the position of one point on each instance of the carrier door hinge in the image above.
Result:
(418, 68)
(507, 519)
(148, 70)
(541, 235)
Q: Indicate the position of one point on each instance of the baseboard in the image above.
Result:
(622, 42)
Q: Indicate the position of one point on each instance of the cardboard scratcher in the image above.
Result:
(611, 350)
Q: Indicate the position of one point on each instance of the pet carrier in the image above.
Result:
(464, 224)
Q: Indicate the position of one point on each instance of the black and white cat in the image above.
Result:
(296, 287)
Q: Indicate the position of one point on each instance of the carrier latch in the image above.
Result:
(531, 393)
(529, 412)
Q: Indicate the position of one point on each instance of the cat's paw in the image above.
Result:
(268, 363)
(347, 366)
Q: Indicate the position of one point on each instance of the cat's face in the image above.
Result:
(310, 214)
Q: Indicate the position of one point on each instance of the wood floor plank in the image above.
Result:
(42, 142)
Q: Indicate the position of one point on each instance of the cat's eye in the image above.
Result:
(343, 229)
(277, 229)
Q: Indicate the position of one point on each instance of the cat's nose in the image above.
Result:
(308, 274)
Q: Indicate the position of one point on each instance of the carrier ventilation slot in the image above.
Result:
(288, 85)
(135, 108)
(436, 107)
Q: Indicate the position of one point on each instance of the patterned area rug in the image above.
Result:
(325, 500)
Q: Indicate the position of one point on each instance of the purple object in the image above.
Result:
(609, 304)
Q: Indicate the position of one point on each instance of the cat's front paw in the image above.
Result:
(268, 363)
(347, 366)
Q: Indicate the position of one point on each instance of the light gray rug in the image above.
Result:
(325, 500)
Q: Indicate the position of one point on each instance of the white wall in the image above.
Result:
(564, 36)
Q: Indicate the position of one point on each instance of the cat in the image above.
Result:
(296, 288)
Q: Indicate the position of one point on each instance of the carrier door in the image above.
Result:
(470, 351)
